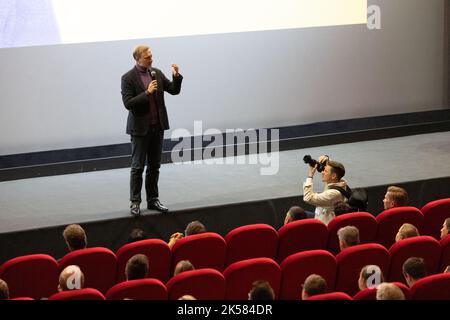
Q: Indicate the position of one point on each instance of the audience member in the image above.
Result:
(137, 267)
(187, 297)
(332, 176)
(395, 197)
(407, 230)
(370, 277)
(348, 236)
(314, 285)
(4, 290)
(182, 266)
(261, 290)
(389, 291)
(194, 227)
(445, 228)
(136, 235)
(342, 207)
(414, 269)
(71, 278)
(295, 213)
(75, 237)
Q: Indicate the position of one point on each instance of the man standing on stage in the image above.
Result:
(143, 96)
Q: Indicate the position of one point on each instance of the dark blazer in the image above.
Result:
(137, 102)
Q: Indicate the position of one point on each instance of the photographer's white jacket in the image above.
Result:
(325, 200)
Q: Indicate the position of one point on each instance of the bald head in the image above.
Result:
(71, 278)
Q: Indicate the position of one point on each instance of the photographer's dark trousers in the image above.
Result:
(146, 150)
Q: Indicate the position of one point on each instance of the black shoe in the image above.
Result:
(134, 209)
(156, 205)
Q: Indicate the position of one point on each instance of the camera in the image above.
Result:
(313, 162)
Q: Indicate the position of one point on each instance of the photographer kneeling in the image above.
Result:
(332, 173)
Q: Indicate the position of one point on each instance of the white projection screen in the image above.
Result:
(44, 22)
(245, 63)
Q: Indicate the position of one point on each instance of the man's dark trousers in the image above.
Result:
(148, 147)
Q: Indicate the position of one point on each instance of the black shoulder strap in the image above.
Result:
(347, 192)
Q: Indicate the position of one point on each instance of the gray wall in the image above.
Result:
(68, 96)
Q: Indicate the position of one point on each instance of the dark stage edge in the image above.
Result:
(113, 233)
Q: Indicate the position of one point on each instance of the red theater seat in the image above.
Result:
(435, 213)
(251, 241)
(205, 250)
(99, 266)
(351, 260)
(142, 289)
(389, 221)
(425, 247)
(302, 235)
(203, 284)
(297, 267)
(240, 276)
(82, 294)
(435, 287)
(158, 254)
(331, 296)
(34, 276)
(364, 221)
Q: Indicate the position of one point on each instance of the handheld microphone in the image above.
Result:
(153, 74)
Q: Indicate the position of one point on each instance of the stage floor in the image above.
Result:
(76, 198)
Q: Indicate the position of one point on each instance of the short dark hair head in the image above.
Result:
(337, 168)
(75, 237)
(137, 267)
(136, 235)
(194, 227)
(261, 290)
(415, 267)
(342, 207)
(398, 195)
(314, 285)
(296, 213)
(182, 266)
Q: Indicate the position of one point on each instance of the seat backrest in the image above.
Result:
(331, 296)
(364, 221)
(239, 277)
(203, 284)
(204, 250)
(371, 293)
(297, 267)
(158, 254)
(366, 294)
(35, 276)
(301, 235)
(142, 289)
(445, 254)
(351, 260)
(251, 241)
(425, 247)
(434, 214)
(389, 221)
(434, 287)
(81, 294)
(99, 266)
(405, 289)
